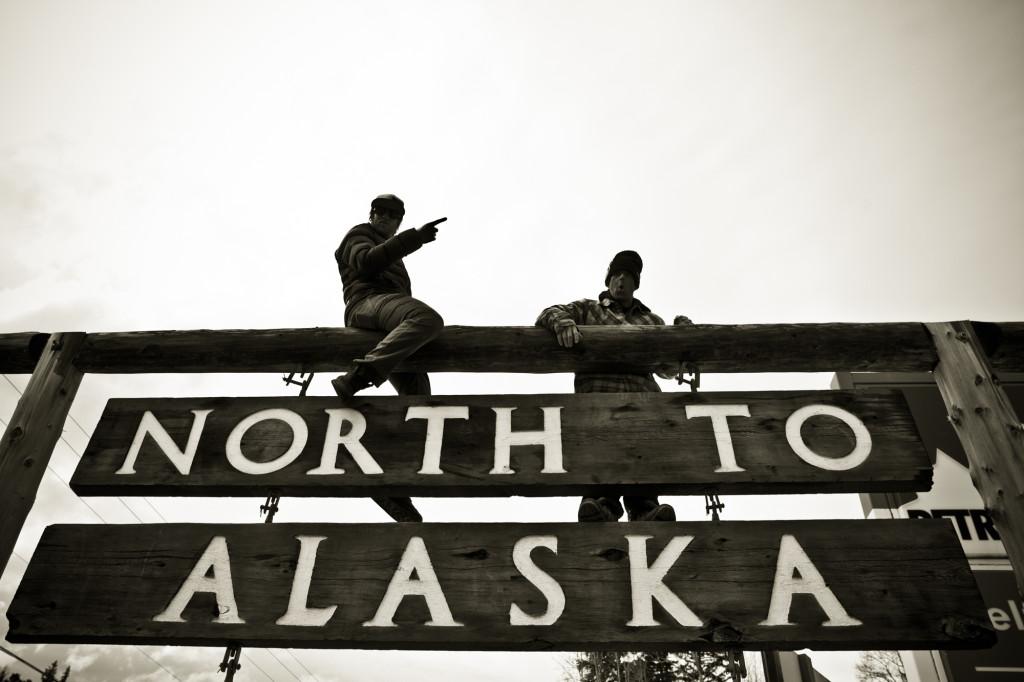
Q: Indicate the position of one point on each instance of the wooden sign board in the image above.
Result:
(892, 584)
(530, 445)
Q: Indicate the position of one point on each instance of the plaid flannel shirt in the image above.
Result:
(605, 310)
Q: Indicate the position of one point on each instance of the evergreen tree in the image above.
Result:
(608, 666)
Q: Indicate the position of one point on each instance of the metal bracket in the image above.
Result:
(304, 384)
(230, 663)
(713, 505)
(270, 507)
(737, 665)
(689, 368)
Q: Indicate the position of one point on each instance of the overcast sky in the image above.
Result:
(194, 164)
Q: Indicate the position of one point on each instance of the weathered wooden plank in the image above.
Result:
(33, 431)
(827, 347)
(668, 443)
(20, 352)
(894, 584)
(989, 429)
(714, 348)
(875, 347)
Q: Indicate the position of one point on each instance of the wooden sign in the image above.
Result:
(892, 584)
(530, 445)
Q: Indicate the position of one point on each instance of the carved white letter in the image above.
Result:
(720, 425)
(415, 559)
(547, 585)
(215, 557)
(333, 438)
(793, 558)
(233, 447)
(435, 416)
(861, 446)
(550, 438)
(298, 613)
(182, 461)
(646, 584)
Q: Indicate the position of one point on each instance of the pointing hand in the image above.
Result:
(428, 232)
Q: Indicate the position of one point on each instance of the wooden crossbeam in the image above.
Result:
(825, 347)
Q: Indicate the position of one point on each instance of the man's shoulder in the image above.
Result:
(360, 231)
(360, 228)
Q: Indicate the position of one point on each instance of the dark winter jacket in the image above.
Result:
(370, 264)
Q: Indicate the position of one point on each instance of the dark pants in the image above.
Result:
(635, 506)
(410, 324)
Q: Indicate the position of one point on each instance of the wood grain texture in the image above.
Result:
(20, 352)
(611, 443)
(906, 581)
(989, 429)
(32, 433)
(806, 347)
(714, 348)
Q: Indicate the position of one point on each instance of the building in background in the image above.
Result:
(954, 496)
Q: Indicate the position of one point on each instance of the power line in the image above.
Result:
(308, 672)
(58, 477)
(14, 655)
(79, 456)
(157, 512)
(139, 649)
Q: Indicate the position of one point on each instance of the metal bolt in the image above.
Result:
(954, 418)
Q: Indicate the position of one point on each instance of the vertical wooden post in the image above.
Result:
(35, 426)
(989, 429)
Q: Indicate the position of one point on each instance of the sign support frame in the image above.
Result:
(33, 433)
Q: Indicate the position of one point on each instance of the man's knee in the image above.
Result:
(430, 321)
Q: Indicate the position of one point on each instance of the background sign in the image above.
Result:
(1003, 662)
(539, 445)
(953, 496)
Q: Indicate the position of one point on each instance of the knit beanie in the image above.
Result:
(629, 261)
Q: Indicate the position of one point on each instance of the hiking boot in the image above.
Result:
(595, 510)
(347, 385)
(661, 512)
(399, 508)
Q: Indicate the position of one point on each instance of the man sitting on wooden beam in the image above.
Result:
(378, 295)
(615, 305)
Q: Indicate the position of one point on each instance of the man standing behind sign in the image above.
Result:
(615, 305)
(378, 295)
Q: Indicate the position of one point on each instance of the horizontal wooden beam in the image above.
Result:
(673, 443)
(20, 352)
(812, 347)
(759, 585)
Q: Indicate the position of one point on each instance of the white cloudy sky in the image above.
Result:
(182, 165)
